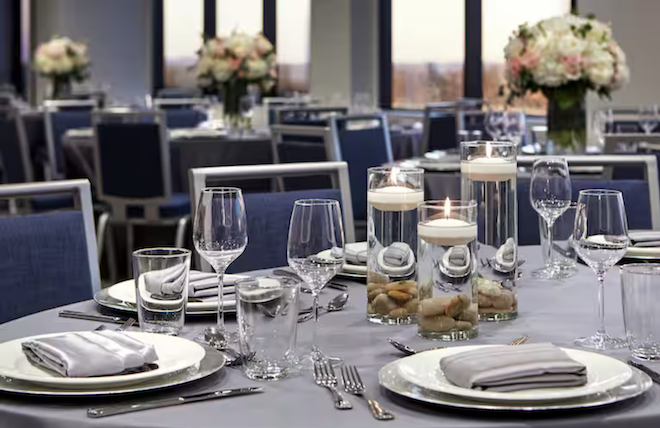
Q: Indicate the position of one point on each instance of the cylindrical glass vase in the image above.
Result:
(488, 176)
(447, 270)
(392, 198)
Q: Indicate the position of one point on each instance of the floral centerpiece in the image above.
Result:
(62, 61)
(564, 58)
(230, 64)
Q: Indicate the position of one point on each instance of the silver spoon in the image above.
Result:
(336, 304)
(215, 338)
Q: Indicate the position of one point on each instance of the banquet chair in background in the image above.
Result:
(132, 156)
(362, 141)
(182, 112)
(439, 127)
(308, 116)
(269, 214)
(297, 143)
(48, 259)
(61, 116)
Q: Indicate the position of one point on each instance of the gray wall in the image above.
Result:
(118, 33)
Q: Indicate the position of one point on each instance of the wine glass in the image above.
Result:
(600, 238)
(599, 124)
(550, 195)
(316, 226)
(246, 109)
(495, 123)
(514, 125)
(648, 118)
(220, 236)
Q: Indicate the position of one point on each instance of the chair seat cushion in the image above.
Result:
(177, 206)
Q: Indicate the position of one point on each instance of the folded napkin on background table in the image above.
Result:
(93, 353)
(647, 238)
(354, 253)
(514, 368)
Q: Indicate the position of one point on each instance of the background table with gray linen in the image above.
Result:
(549, 312)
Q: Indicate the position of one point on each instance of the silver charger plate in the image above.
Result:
(348, 275)
(104, 299)
(212, 362)
(390, 379)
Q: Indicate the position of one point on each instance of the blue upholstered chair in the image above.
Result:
(47, 260)
(14, 149)
(182, 112)
(439, 127)
(61, 116)
(362, 142)
(132, 155)
(268, 214)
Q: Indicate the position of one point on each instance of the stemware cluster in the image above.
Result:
(220, 237)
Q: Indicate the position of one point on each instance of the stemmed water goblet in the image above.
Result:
(601, 238)
(495, 123)
(648, 118)
(316, 226)
(550, 195)
(220, 236)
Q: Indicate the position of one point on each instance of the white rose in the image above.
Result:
(256, 68)
(549, 72)
(240, 44)
(263, 45)
(570, 46)
(204, 65)
(601, 74)
(63, 65)
(222, 70)
(513, 48)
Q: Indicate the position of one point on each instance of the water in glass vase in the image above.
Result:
(392, 244)
(497, 246)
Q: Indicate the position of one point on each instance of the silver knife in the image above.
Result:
(100, 412)
(92, 317)
(655, 376)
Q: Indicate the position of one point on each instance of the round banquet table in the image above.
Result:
(549, 312)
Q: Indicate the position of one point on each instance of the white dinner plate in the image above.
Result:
(212, 362)
(643, 253)
(174, 354)
(390, 378)
(125, 292)
(603, 373)
(347, 268)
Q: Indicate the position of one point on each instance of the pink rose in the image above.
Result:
(530, 59)
(235, 63)
(515, 67)
(572, 66)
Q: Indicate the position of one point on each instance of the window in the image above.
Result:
(242, 15)
(428, 51)
(183, 29)
(499, 19)
(293, 45)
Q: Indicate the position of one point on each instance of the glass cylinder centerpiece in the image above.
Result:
(447, 270)
(488, 176)
(392, 198)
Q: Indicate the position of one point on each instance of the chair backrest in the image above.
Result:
(60, 116)
(132, 156)
(14, 148)
(268, 215)
(48, 259)
(179, 118)
(309, 116)
(179, 92)
(179, 103)
(439, 127)
(362, 142)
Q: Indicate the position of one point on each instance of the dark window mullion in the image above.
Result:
(385, 53)
(270, 21)
(472, 74)
(158, 48)
(210, 23)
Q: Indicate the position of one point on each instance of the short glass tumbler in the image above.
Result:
(267, 325)
(161, 287)
(564, 257)
(640, 288)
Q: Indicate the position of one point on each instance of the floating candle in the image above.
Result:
(447, 231)
(395, 198)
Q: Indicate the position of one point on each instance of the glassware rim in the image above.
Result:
(174, 252)
(400, 169)
(222, 190)
(284, 281)
(549, 160)
(652, 269)
(319, 202)
(599, 192)
(455, 204)
(478, 143)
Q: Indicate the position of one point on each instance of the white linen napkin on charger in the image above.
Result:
(355, 253)
(645, 238)
(93, 353)
(514, 368)
(205, 284)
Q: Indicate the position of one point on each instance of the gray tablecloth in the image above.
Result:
(550, 312)
(186, 153)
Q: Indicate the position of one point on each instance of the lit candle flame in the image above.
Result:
(447, 208)
(489, 150)
(394, 175)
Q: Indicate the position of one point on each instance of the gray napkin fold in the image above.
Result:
(93, 353)
(398, 254)
(647, 238)
(166, 282)
(205, 284)
(514, 368)
(354, 253)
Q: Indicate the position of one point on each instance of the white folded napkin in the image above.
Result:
(166, 282)
(354, 253)
(398, 254)
(646, 238)
(456, 261)
(205, 284)
(93, 353)
(514, 368)
(506, 256)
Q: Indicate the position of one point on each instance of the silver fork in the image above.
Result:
(324, 375)
(128, 323)
(353, 385)
(520, 341)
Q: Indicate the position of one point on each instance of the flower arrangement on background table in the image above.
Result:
(62, 61)
(565, 57)
(228, 65)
